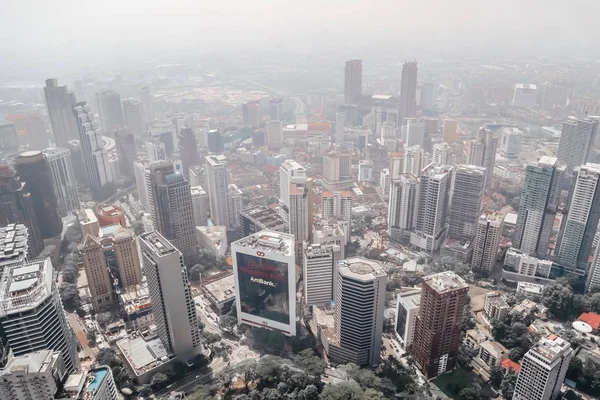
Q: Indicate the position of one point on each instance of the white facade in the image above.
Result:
(235, 200)
(201, 205)
(334, 235)
(340, 117)
(365, 170)
(274, 136)
(482, 152)
(289, 172)
(264, 264)
(468, 186)
(441, 154)
(147, 106)
(318, 274)
(217, 180)
(415, 160)
(543, 370)
(486, 242)
(140, 168)
(212, 239)
(576, 143)
(155, 150)
(402, 211)
(510, 143)
(300, 216)
(173, 307)
(32, 376)
(63, 179)
(337, 204)
(415, 132)
(384, 180)
(407, 309)
(99, 385)
(525, 95)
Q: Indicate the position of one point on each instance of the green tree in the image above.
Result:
(194, 273)
(144, 390)
(210, 338)
(69, 294)
(158, 381)
(202, 393)
(91, 338)
(507, 387)
(310, 362)
(496, 376)
(227, 322)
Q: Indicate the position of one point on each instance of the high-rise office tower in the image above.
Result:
(340, 118)
(538, 206)
(543, 370)
(125, 144)
(408, 91)
(235, 200)
(33, 169)
(276, 109)
(95, 156)
(359, 298)
(487, 240)
(402, 212)
(63, 179)
(576, 143)
(201, 205)
(318, 274)
(427, 96)
(407, 306)
(110, 110)
(510, 143)
(146, 99)
(415, 159)
(173, 307)
(165, 132)
(300, 216)
(415, 132)
(289, 172)
(133, 117)
(188, 150)
(171, 205)
(16, 207)
(274, 138)
(353, 81)
(441, 154)
(434, 199)
(450, 132)
(217, 182)
(264, 270)
(259, 218)
(577, 233)
(214, 141)
(97, 273)
(155, 150)
(252, 113)
(31, 313)
(60, 103)
(467, 200)
(482, 152)
(437, 328)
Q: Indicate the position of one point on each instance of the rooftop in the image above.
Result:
(496, 299)
(143, 355)
(157, 243)
(24, 286)
(533, 288)
(13, 243)
(30, 363)
(550, 347)
(590, 318)
(136, 298)
(93, 381)
(220, 289)
(268, 242)
(197, 191)
(446, 281)
(360, 268)
(267, 217)
(410, 297)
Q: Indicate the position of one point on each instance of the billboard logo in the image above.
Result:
(260, 254)
(263, 281)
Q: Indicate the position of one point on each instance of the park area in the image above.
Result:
(452, 383)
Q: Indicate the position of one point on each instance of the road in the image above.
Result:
(195, 378)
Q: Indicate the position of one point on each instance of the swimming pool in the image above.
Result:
(100, 374)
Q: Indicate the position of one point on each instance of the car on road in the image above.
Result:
(197, 377)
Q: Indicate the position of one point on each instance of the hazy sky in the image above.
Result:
(98, 27)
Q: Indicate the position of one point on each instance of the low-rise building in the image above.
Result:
(462, 250)
(530, 290)
(495, 307)
(144, 356)
(219, 289)
(473, 337)
(212, 239)
(137, 307)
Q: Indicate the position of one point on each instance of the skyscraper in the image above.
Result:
(264, 270)
(482, 152)
(252, 113)
(318, 275)
(95, 156)
(147, 106)
(235, 205)
(340, 117)
(276, 109)
(31, 313)
(437, 328)
(274, 138)
(415, 132)
(258, 218)
(300, 216)
(110, 110)
(9, 140)
(576, 142)
(336, 171)
(427, 96)
(97, 273)
(126, 149)
(63, 179)
(289, 172)
(408, 91)
(171, 205)
(133, 117)
(33, 169)
(543, 370)
(539, 202)
(173, 307)
(217, 179)
(188, 150)
(415, 160)
(487, 239)
(60, 103)
(201, 205)
(402, 212)
(510, 143)
(337, 205)
(359, 297)
(434, 198)
(467, 198)
(353, 81)
(442, 154)
(577, 233)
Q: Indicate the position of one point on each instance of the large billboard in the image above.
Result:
(263, 288)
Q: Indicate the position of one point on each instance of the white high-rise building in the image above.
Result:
(147, 107)
(340, 117)
(593, 276)
(336, 171)
(173, 306)
(359, 298)
(403, 208)
(63, 179)
(171, 205)
(337, 204)
(217, 182)
(274, 136)
(482, 152)
(415, 160)
(434, 199)
(155, 150)
(577, 233)
(236, 204)
(31, 313)
(510, 143)
(384, 180)
(32, 376)
(576, 143)
(318, 274)
(486, 242)
(201, 205)
(289, 172)
(408, 90)
(397, 164)
(467, 199)
(60, 103)
(415, 132)
(441, 154)
(407, 306)
(365, 170)
(110, 110)
(331, 234)
(133, 117)
(264, 270)
(525, 95)
(538, 206)
(300, 216)
(543, 370)
(140, 170)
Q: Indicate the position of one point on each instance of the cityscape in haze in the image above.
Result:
(303, 201)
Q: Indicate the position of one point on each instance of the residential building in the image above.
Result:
(403, 206)
(171, 205)
(384, 181)
(337, 204)
(336, 171)
(173, 307)
(415, 132)
(63, 179)
(576, 143)
(415, 159)
(397, 164)
(467, 198)
(408, 91)
(264, 270)
(201, 205)
(217, 179)
(99, 384)
(442, 154)
(408, 303)
(482, 152)
(31, 313)
(60, 103)
(258, 218)
(327, 232)
(235, 199)
(577, 233)
(432, 211)
(289, 172)
(495, 307)
(438, 324)
(353, 82)
(318, 273)
(539, 203)
(34, 375)
(510, 142)
(427, 96)
(543, 370)
(488, 235)
(110, 110)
